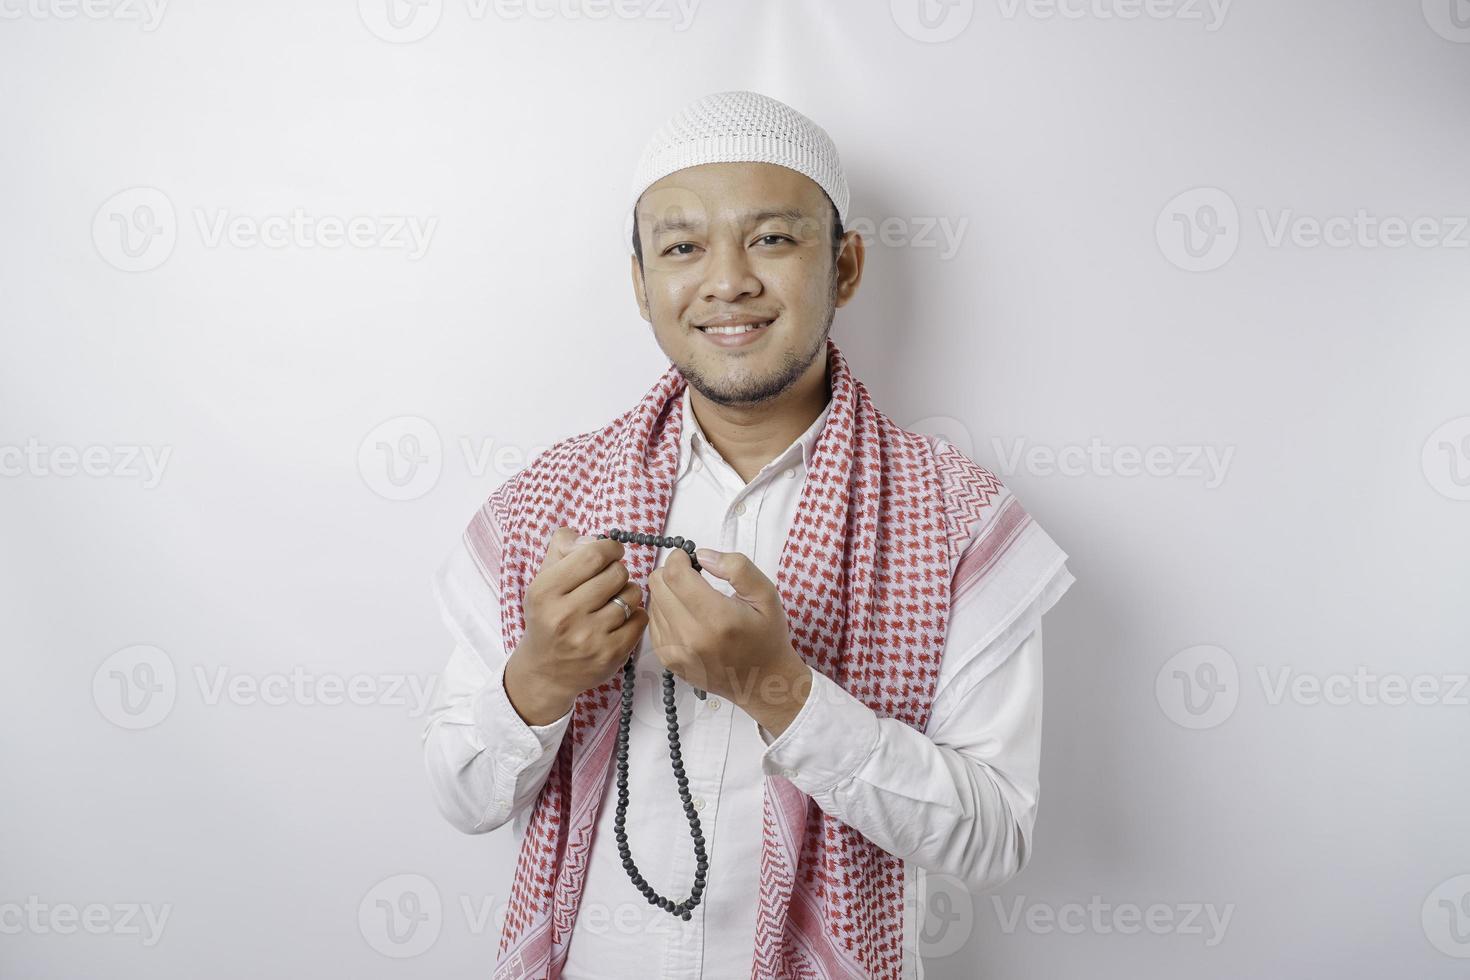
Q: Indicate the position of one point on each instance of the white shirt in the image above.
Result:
(959, 798)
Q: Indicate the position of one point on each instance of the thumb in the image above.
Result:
(749, 582)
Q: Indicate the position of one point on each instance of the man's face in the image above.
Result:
(750, 240)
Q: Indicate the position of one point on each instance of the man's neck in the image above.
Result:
(749, 437)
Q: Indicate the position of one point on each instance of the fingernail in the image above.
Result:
(583, 539)
(708, 558)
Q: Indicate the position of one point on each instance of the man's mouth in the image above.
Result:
(735, 329)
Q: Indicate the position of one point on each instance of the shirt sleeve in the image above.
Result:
(485, 764)
(958, 798)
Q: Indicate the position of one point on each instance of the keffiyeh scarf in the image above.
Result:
(865, 580)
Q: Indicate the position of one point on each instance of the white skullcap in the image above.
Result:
(743, 127)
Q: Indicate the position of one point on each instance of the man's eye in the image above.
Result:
(783, 238)
(670, 249)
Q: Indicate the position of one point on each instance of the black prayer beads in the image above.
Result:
(671, 714)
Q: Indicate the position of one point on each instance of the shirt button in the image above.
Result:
(789, 773)
(695, 465)
(714, 704)
(740, 508)
(699, 803)
(790, 474)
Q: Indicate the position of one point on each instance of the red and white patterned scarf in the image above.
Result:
(865, 580)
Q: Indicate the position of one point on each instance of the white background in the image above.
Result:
(1085, 310)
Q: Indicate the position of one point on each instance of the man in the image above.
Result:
(865, 621)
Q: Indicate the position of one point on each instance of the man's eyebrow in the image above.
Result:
(679, 222)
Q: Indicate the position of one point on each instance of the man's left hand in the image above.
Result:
(736, 646)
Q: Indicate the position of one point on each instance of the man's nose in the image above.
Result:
(729, 274)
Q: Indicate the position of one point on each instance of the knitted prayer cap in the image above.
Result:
(743, 127)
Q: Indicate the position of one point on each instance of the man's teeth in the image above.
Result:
(743, 328)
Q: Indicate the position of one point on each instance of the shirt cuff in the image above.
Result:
(827, 742)
(501, 725)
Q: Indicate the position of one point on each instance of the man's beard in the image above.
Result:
(746, 390)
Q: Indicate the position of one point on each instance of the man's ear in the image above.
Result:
(638, 292)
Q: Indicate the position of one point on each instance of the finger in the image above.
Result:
(658, 627)
(676, 624)
(630, 634)
(610, 616)
(581, 563)
(661, 591)
(696, 596)
(598, 590)
(744, 575)
(557, 546)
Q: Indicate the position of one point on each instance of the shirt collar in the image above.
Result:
(692, 439)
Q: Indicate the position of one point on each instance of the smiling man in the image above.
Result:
(837, 693)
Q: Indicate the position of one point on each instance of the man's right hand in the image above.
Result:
(575, 635)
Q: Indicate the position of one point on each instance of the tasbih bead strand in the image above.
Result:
(671, 714)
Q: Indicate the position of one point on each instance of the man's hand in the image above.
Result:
(575, 635)
(736, 646)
